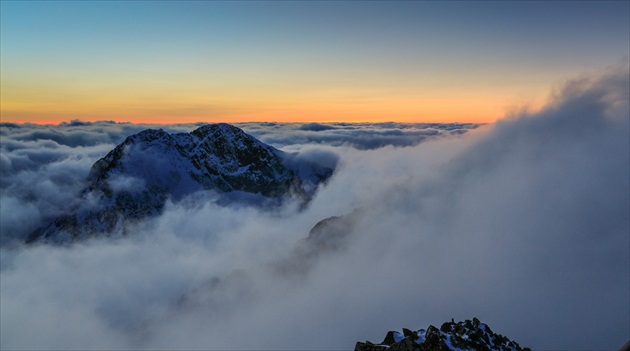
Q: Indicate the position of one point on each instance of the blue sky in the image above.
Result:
(297, 60)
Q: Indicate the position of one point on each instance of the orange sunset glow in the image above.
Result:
(41, 104)
(275, 62)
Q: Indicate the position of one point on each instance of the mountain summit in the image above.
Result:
(135, 179)
(469, 335)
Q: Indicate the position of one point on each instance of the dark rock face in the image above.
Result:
(135, 179)
(468, 335)
(327, 236)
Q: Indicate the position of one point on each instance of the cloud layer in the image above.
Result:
(44, 166)
(523, 224)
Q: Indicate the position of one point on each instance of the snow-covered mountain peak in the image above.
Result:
(135, 179)
(227, 135)
(149, 137)
(219, 129)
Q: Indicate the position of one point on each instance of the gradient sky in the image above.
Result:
(180, 61)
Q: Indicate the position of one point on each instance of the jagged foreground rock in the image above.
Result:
(467, 335)
(135, 179)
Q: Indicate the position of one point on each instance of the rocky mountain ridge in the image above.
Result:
(136, 178)
(469, 335)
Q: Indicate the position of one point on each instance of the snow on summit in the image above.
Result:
(135, 179)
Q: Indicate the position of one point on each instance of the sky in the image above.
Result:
(522, 224)
(319, 61)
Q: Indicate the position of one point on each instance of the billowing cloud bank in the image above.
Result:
(523, 224)
(44, 167)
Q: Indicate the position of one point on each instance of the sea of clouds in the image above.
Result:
(523, 224)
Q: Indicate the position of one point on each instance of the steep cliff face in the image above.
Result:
(135, 179)
(470, 335)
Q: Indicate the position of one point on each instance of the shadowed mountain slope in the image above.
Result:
(135, 179)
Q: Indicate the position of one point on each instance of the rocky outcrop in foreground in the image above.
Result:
(467, 335)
